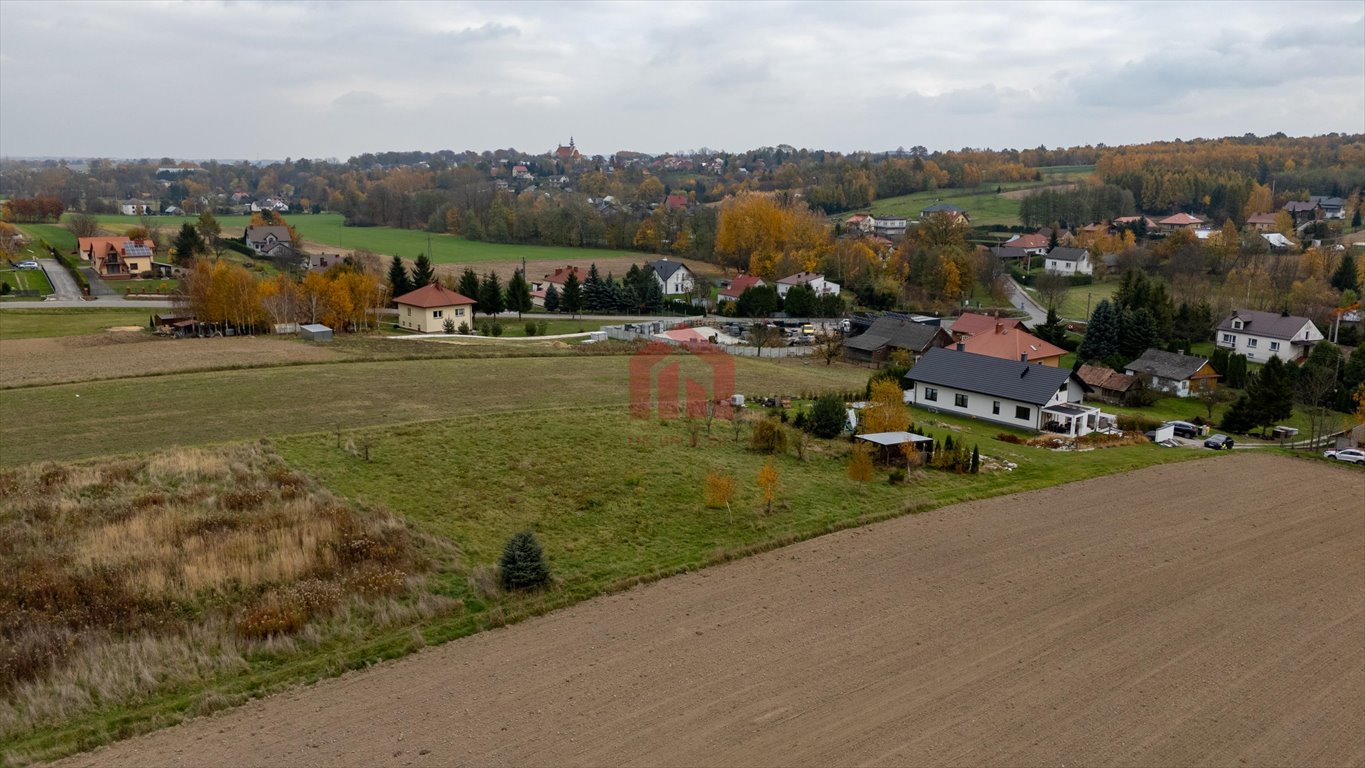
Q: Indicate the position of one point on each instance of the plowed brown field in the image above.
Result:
(1206, 613)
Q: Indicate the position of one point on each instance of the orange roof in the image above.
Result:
(1027, 241)
(101, 244)
(1009, 344)
(970, 323)
(561, 274)
(1181, 219)
(1261, 218)
(740, 285)
(432, 295)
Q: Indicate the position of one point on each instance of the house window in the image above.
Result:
(459, 312)
(1274, 346)
(995, 407)
(960, 400)
(1251, 343)
(1229, 339)
(931, 394)
(436, 313)
(1237, 325)
(409, 311)
(1022, 412)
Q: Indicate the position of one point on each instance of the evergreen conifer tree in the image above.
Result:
(490, 295)
(422, 272)
(572, 299)
(523, 564)
(519, 293)
(469, 287)
(552, 299)
(398, 278)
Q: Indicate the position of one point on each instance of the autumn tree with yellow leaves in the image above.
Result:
(757, 233)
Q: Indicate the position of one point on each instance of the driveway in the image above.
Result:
(64, 286)
(97, 285)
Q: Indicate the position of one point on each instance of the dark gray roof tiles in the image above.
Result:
(1006, 379)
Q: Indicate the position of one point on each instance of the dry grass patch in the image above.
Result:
(127, 577)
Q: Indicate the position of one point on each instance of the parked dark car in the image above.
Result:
(1218, 442)
(1184, 429)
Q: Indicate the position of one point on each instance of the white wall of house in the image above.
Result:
(431, 319)
(990, 408)
(1081, 266)
(820, 285)
(681, 281)
(1259, 349)
(1170, 386)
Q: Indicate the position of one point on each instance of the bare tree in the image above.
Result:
(829, 346)
(1052, 289)
(81, 224)
(1313, 387)
(1213, 396)
(763, 335)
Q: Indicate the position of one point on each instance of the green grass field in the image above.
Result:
(45, 323)
(26, 280)
(76, 421)
(983, 204)
(1078, 297)
(327, 229)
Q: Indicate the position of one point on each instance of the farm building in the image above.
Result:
(1174, 373)
(1106, 384)
(891, 333)
(315, 332)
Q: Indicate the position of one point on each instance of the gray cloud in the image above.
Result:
(335, 79)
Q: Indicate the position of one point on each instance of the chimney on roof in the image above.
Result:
(999, 327)
(1023, 357)
(961, 347)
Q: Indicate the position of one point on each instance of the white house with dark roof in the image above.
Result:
(1009, 392)
(1068, 261)
(1263, 335)
(674, 277)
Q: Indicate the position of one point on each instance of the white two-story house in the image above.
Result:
(1010, 392)
(1263, 335)
(674, 277)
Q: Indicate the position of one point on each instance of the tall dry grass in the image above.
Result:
(126, 577)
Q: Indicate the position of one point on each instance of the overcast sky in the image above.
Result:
(332, 79)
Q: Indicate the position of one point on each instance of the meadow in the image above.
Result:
(984, 205)
(326, 229)
(614, 500)
(45, 323)
(75, 421)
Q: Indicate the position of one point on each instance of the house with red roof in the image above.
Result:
(116, 257)
(971, 323)
(426, 309)
(1262, 222)
(1180, 221)
(738, 286)
(1013, 344)
(558, 278)
(1035, 244)
(675, 202)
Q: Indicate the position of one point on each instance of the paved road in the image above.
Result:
(1037, 314)
(63, 284)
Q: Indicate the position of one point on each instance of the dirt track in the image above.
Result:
(1207, 613)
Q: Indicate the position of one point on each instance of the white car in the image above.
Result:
(27, 265)
(1353, 455)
